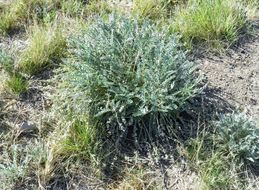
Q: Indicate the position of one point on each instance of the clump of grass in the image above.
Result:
(219, 172)
(215, 168)
(47, 45)
(136, 177)
(213, 22)
(154, 9)
(17, 84)
(98, 7)
(73, 8)
(128, 77)
(18, 12)
(80, 141)
(74, 142)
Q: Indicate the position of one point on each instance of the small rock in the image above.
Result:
(26, 126)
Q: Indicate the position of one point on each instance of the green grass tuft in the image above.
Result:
(154, 9)
(17, 84)
(213, 22)
(80, 141)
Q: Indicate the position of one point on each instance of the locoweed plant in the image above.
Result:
(240, 136)
(6, 61)
(128, 77)
(225, 158)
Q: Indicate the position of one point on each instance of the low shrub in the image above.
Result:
(47, 45)
(20, 163)
(128, 77)
(6, 62)
(15, 82)
(213, 22)
(224, 158)
(240, 136)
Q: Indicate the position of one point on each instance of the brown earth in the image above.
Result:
(234, 75)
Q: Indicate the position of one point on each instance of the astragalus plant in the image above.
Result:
(128, 77)
(239, 136)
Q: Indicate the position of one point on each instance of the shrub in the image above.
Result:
(20, 163)
(129, 77)
(6, 62)
(240, 136)
(214, 22)
(46, 46)
(98, 7)
(15, 83)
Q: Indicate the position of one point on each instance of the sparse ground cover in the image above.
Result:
(129, 94)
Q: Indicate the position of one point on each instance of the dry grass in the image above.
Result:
(215, 23)
(47, 45)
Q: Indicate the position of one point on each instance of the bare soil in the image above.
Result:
(234, 75)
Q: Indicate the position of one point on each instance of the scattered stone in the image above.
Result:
(26, 127)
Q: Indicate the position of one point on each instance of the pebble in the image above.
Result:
(26, 126)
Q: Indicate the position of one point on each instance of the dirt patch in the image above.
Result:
(235, 76)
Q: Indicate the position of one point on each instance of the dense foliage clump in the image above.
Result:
(240, 135)
(129, 77)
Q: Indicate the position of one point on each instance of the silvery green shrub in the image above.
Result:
(240, 135)
(6, 62)
(129, 77)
